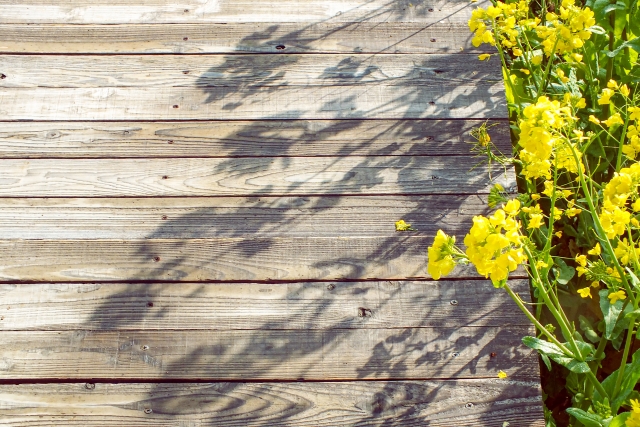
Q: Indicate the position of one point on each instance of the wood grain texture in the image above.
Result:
(188, 218)
(224, 306)
(212, 355)
(255, 176)
(245, 138)
(223, 259)
(483, 100)
(366, 404)
(232, 11)
(328, 37)
(247, 72)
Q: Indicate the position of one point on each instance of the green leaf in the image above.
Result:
(620, 420)
(544, 347)
(589, 420)
(546, 361)
(633, 44)
(563, 272)
(610, 312)
(571, 364)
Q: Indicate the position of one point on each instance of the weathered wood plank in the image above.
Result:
(482, 100)
(188, 218)
(244, 139)
(225, 259)
(230, 11)
(329, 37)
(472, 403)
(224, 306)
(255, 176)
(247, 72)
(341, 354)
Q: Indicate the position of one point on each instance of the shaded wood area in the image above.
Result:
(197, 208)
(469, 402)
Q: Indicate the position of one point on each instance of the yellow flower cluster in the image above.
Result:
(494, 244)
(632, 148)
(441, 261)
(623, 187)
(504, 18)
(541, 139)
(634, 417)
(567, 30)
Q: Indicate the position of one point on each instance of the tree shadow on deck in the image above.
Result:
(301, 335)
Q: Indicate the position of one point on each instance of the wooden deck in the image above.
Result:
(197, 207)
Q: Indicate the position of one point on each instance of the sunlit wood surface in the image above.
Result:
(197, 207)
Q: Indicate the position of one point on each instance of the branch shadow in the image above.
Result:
(346, 92)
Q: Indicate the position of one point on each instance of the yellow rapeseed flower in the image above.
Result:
(502, 375)
(403, 226)
(615, 119)
(597, 250)
(593, 119)
(605, 97)
(612, 84)
(484, 56)
(585, 292)
(615, 296)
(441, 262)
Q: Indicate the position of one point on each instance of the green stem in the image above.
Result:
(600, 234)
(537, 324)
(625, 354)
(566, 332)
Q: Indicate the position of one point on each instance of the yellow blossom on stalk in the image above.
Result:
(635, 113)
(582, 260)
(581, 270)
(562, 77)
(494, 245)
(535, 197)
(535, 221)
(502, 375)
(512, 207)
(536, 60)
(585, 292)
(593, 119)
(615, 296)
(576, 57)
(558, 234)
(636, 206)
(625, 252)
(614, 220)
(597, 250)
(525, 71)
(624, 90)
(541, 264)
(501, 20)
(612, 84)
(605, 97)
(595, 284)
(539, 135)
(440, 259)
(614, 120)
(634, 417)
(484, 56)
(567, 30)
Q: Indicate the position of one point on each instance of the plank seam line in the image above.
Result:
(238, 196)
(265, 282)
(516, 380)
(319, 156)
(378, 119)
